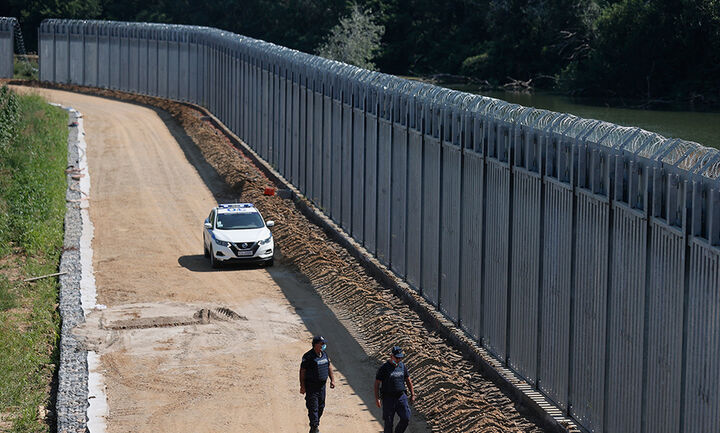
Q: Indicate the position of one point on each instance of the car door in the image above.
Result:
(207, 235)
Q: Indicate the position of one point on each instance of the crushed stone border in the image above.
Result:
(81, 403)
(72, 394)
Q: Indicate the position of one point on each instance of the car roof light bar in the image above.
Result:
(235, 205)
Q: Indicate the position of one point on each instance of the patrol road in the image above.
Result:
(185, 348)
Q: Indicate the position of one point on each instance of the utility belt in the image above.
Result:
(314, 384)
(395, 394)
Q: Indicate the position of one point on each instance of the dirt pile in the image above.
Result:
(452, 394)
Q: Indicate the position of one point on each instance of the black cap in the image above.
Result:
(397, 352)
(318, 339)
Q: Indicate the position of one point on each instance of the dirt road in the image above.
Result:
(185, 348)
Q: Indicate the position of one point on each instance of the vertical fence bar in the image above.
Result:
(451, 184)
(626, 297)
(525, 252)
(371, 170)
(62, 55)
(46, 45)
(399, 185)
(589, 327)
(431, 170)
(701, 409)
(557, 264)
(7, 48)
(318, 143)
(336, 145)
(347, 165)
(497, 236)
(415, 193)
(358, 180)
(90, 55)
(470, 284)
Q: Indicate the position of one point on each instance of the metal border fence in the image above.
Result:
(7, 47)
(582, 254)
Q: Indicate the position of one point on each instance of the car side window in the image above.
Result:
(211, 218)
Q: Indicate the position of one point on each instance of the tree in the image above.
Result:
(652, 50)
(355, 40)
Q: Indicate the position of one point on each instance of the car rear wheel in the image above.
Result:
(206, 253)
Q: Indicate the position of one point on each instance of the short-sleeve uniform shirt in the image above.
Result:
(393, 379)
(316, 368)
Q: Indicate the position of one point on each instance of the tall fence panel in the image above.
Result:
(702, 377)
(626, 297)
(450, 230)
(665, 314)
(431, 219)
(384, 188)
(371, 179)
(60, 54)
(470, 292)
(525, 278)
(583, 255)
(347, 165)
(358, 186)
(46, 55)
(317, 137)
(414, 197)
(7, 47)
(400, 181)
(589, 325)
(90, 56)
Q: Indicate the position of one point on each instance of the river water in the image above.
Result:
(700, 127)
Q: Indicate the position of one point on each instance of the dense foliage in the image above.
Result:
(355, 40)
(637, 48)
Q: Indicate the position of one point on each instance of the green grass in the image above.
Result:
(33, 157)
(23, 70)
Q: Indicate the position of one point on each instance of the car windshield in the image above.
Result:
(239, 221)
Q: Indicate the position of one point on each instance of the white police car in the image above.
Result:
(237, 232)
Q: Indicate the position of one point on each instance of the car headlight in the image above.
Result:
(222, 243)
(265, 241)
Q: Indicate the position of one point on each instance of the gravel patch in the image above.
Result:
(72, 396)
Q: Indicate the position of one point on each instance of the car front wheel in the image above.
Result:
(214, 263)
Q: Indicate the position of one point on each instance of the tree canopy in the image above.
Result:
(630, 48)
(355, 40)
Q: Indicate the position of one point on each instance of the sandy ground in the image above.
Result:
(186, 348)
(167, 366)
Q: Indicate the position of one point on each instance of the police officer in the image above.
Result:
(314, 372)
(390, 381)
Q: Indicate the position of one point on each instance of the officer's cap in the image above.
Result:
(318, 339)
(397, 352)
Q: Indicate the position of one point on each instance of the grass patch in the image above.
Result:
(7, 298)
(33, 157)
(26, 70)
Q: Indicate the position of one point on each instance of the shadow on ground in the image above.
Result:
(198, 263)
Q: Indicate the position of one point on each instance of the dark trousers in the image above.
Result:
(315, 403)
(396, 405)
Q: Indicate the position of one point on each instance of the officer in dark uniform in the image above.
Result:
(390, 382)
(314, 372)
